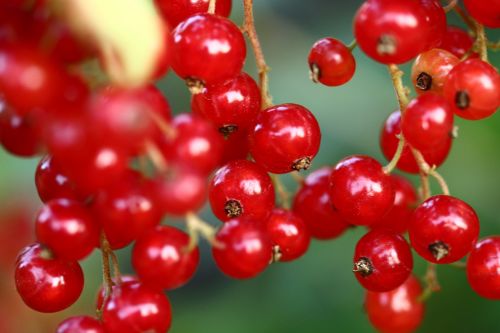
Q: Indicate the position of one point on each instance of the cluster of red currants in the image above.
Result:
(117, 161)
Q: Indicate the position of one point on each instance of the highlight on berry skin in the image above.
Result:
(168, 166)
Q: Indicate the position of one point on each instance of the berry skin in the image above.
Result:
(46, 284)
(196, 145)
(483, 268)
(67, 228)
(235, 147)
(207, 48)
(430, 70)
(382, 31)
(241, 189)
(443, 229)
(231, 106)
(331, 62)
(389, 142)
(485, 12)
(80, 324)
(176, 11)
(473, 89)
(312, 204)
(398, 310)
(51, 183)
(289, 232)
(436, 20)
(360, 190)
(382, 260)
(456, 41)
(405, 201)
(133, 308)
(284, 138)
(427, 122)
(160, 258)
(245, 248)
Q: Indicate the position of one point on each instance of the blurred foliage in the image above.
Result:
(317, 293)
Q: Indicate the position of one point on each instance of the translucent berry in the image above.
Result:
(80, 324)
(176, 11)
(430, 70)
(483, 268)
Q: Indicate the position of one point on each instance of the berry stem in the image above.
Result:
(249, 29)
(397, 81)
(163, 125)
(211, 6)
(352, 45)
(431, 283)
(465, 17)
(196, 227)
(450, 6)
(299, 179)
(458, 264)
(431, 171)
(482, 42)
(156, 157)
(494, 46)
(397, 156)
(106, 270)
(283, 194)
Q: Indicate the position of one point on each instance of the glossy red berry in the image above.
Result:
(289, 234)
(389, 140)
(430, 70)
(483, 268)
(427, 122)
(456, 41)
(180, 191)
(382, 260)
(51, 183)
(47, 284)
(312, 204)
(436, 20)
(443, 229)
(235, 147)
(241, 188)
(176, 11)
(392, 31)
(405, 202)
(285, 137)
(124, 280)
(161, 260)
(196, 144)
(360, 190)
(473, 89)
(127, 209)
(245, 248)
(67, 228)
(207, 48)
(398, 310)
(485, 12)
(231, 106)
(133, 307)
(331, 62)
(80, 324)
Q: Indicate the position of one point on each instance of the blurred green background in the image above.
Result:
(317, 293)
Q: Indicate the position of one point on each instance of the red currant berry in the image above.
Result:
(207, 48)
(176, 11)
(17, 134)
(196, 144)
(231, 106)
(284, 138)
(443, 229)
(127, 209)
(398, 310)
(47, 284)
(427, 122)
(135, 308)
(389, 140)
(331, 62)
(382, 260)
(360, 190)
(473, 89)
(241, 188)
(67, 228)
(235, 147)
(392, 31)
(430, 70)
(405, 201)
(180, 191)
(80, 324)
(116, 283)
(436, 19)
(161, 259)
(312, 204)
(456, 41)
(245, 248)
(51, 183)
(289, 234)
(483, 268)
(485, 12)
